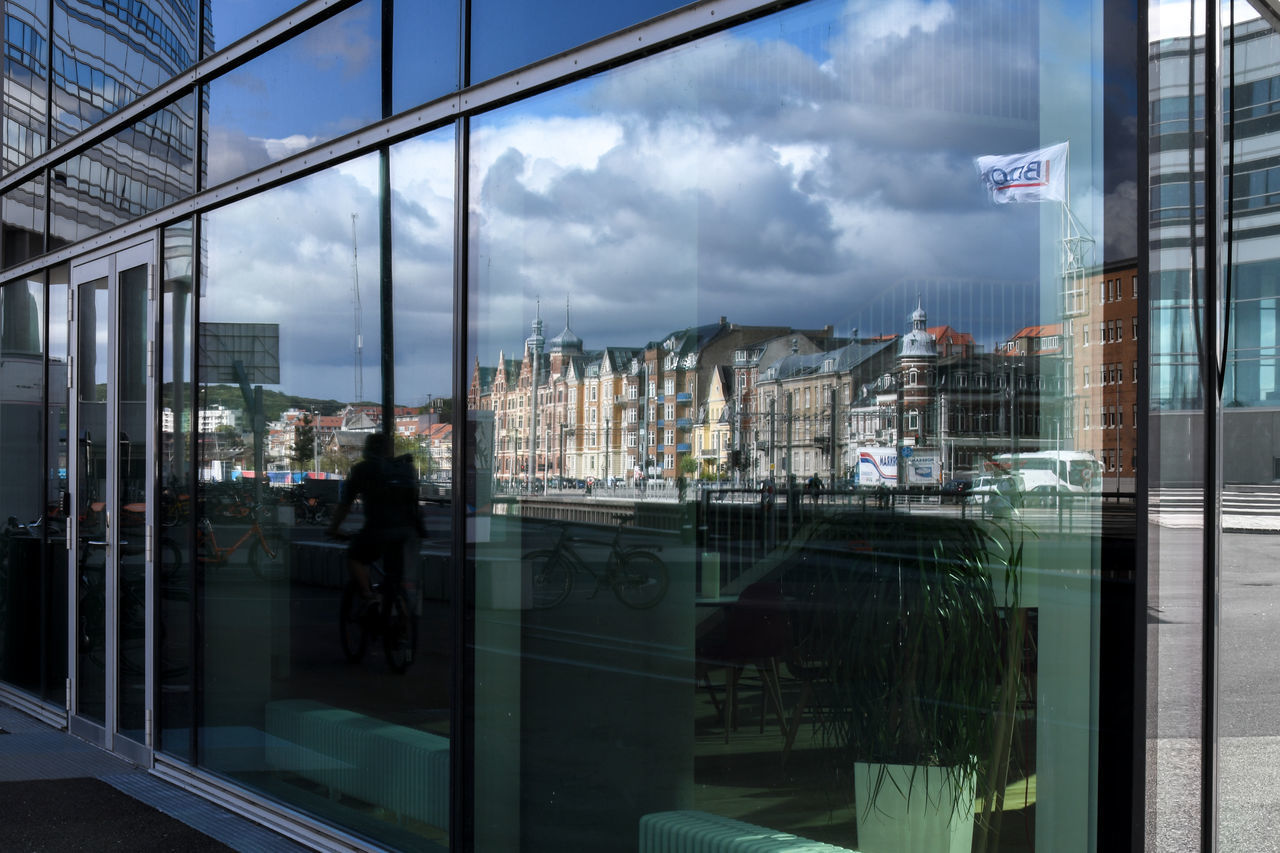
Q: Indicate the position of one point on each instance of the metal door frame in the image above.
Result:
(109, 264)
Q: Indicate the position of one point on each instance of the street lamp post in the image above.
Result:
(788, 425)
(560, 467)
(315, 441)
(535, 343)
(1013, 430)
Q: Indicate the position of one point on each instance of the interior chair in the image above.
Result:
(756, 633)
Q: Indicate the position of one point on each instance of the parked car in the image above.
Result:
(956, 490)
(984, 489)
(1043, 495)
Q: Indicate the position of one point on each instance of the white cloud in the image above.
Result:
(348, 41)
(278, 149)
(772, 175)
(877, 23)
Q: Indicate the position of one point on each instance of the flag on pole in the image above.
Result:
(1039, 175)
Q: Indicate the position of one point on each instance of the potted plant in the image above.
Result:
(907, 642)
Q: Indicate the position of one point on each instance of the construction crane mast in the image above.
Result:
(355, 286)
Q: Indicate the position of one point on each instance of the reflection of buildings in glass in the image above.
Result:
(1103, 325)
(941, 393)
(803, 402)
(1251, 384)
(101, 58)
(25, 106)
(745, 402)
(25, 82)
(21, 403)
(627, 412)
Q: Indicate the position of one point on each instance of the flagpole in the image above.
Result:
(1068, 348)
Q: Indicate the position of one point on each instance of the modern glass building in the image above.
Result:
(839, 421)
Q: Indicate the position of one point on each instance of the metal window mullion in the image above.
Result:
(46, 590)
(195, 591)
(660, 33)
(246, 49)
(462, 718)
(1210, 368)
(111, 449)
(200, 142)
(462, 675)
(386, 315)
(151, 553)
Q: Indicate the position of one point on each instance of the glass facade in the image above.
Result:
(506, 426)
(105, 55)
(26, 78)
(32, 645)
(727, 438)
(320, 84)
(1212, 399)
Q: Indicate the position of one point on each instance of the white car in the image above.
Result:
(985, 489)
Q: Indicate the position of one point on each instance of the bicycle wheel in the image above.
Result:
(351, 625)
(640, 580)
(552, 578)
(267, 555)
(399, 632)
(170, 559)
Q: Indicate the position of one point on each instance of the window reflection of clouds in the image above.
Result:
(286, 257)
(765, 159)
(507, 34)
(315, 87)
(424, 61)
(422, 181)
(231, 20)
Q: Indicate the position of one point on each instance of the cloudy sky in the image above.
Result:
(812, 168)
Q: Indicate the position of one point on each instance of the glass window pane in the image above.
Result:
(1176, 607)
(695, 561)
(24, 590)
(55, 530)
(175, 558)
(314, 87)
(142, 168)
(23, 212)
(1250, 539)
(296, 664)
(106, 55)
(227, 21)
(506, 35)
(26, 74)
(424, 52)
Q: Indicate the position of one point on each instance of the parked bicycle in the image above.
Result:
(388, 617)
(309, 509)
(638, 577)
(265, 546)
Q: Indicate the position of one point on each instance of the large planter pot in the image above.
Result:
(906, 809)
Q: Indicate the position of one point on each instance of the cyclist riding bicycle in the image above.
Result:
(388, 491)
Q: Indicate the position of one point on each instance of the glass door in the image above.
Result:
(111, 318)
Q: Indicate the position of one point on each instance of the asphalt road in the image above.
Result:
(1249, 662)
(1249, 687)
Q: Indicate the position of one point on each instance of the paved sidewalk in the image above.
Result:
(58, 793)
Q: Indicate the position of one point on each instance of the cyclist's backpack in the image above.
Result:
(400, 487)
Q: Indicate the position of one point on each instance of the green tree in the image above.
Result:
(304, 443)
(338, 461)
(416, 448)
(687, 466)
